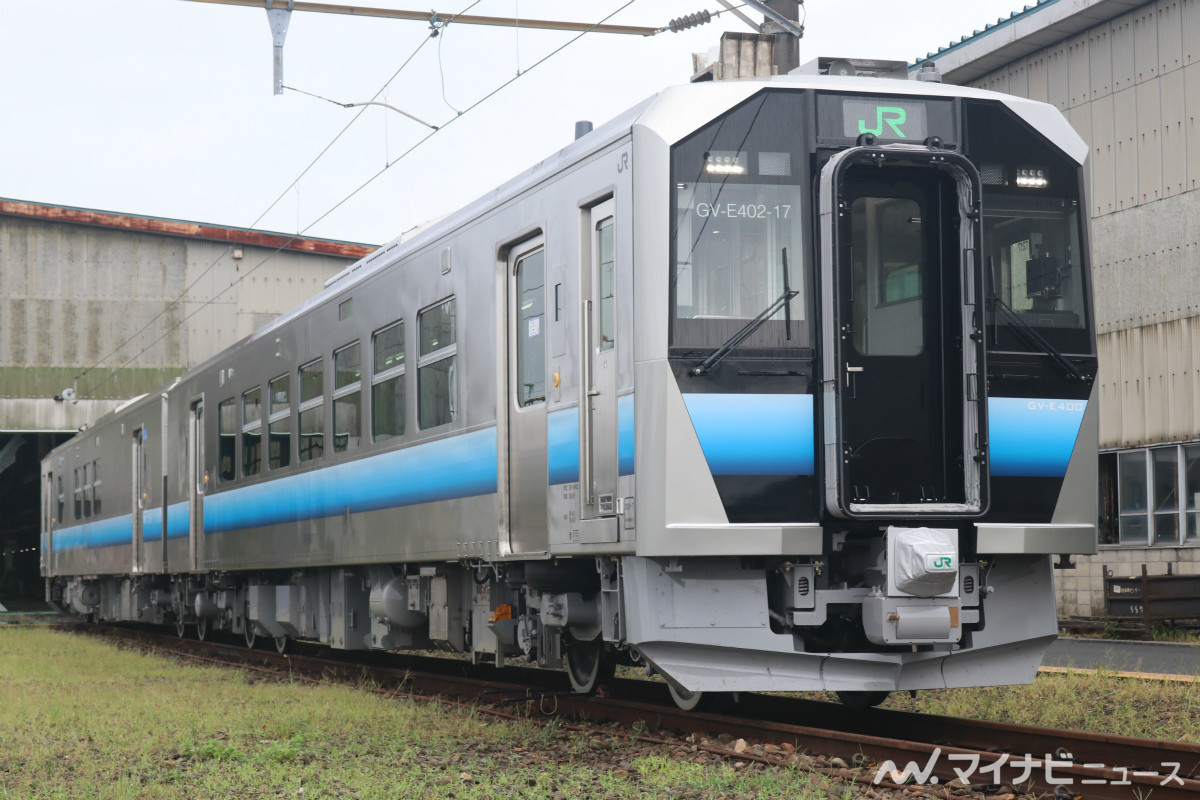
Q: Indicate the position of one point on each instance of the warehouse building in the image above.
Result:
(98, 307)
(1127, 75)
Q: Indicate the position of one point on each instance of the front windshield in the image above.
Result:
(1034, 265)
(737, 209)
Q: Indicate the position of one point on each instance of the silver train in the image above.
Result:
(774, 384)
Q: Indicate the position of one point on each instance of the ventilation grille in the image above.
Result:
(802, 586)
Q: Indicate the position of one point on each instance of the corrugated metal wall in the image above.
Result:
(1131, 87)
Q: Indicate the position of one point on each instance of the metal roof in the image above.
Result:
(1023, 32)
(175, 227)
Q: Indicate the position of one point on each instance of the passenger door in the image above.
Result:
(196, 486)
(528, 483)
(138, 499)
(901, 278)
(49, 501)
(598, 434)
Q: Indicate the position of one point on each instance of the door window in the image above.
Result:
(531, 329)
(887, 311)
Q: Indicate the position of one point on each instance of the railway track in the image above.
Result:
(888, 749)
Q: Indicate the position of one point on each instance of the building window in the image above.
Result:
(1191, 492)
(252, 432)
(1158, 495)
(227, 440)
(347, 398)
(280, 422)
(437, 381)
(388, 406)
(312, 410)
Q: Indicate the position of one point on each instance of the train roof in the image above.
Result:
(672, 114)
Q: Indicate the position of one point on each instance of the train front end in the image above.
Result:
(866, 422)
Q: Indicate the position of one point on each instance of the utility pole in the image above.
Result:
(787, 44)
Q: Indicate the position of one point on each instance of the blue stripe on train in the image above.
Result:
(455, 467)
(562, 442)
(1032, 437)
(754, 434)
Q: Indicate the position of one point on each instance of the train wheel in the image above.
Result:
(689, 701)
(588, 664)
(281, 644)
(201, 628)
(180, 627)
(862, 699)
(250, 634)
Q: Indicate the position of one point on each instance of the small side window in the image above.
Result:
(96, 487)
(437, 376)
(252, 432)
(78, 492)
(388, 407)
(312, 410)
(347, 398)
(227, 440)
(87, 491)
(280, 421)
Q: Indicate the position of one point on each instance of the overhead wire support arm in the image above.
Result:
(393, 108)
(279, 18)
(424, 16)
(787, 25)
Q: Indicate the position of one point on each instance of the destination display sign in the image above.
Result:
(887, 118)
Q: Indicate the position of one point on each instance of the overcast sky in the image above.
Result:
(164, 108)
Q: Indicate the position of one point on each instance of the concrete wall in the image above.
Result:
(114, 313)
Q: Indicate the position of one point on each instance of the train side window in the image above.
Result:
(280, 422)
(312, 409)
(437, 378)
(78, 492)
(87, 491)
(347, 398)
(252, 432)
(62, 499)
(388, 405)
(531, 318)
(227, 440)
(96, 487)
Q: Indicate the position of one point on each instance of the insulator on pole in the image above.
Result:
(689, 21)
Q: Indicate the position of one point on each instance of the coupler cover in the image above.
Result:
(922, 562)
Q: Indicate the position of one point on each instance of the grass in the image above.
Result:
(81, 719)
(1100, 702)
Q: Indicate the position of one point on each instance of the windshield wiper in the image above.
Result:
(748, 330)
(1032, 337)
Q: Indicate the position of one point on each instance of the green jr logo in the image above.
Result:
(892, 116)
(943, 562)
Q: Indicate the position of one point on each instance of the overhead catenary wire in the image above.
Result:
(203, 305)
(204, 272)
